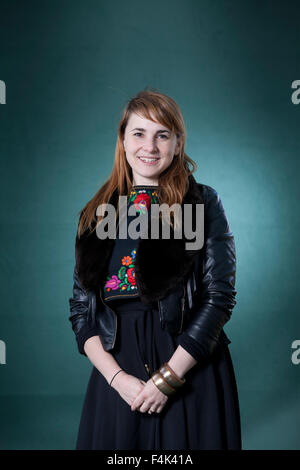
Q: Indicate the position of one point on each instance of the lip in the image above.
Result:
(149, 163)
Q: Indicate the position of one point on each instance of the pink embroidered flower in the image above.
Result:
(113, 283)
(131, 276)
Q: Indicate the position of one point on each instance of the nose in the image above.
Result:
(149, 145)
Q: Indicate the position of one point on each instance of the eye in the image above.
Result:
(138, 134)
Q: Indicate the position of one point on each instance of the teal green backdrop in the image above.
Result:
(69, 68)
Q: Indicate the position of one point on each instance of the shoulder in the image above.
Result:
(214, 212)
(210, 195)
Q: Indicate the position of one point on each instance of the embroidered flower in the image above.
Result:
(126, 261)
(142, 198)
(142, 202)
(131, 276)
(125, 280)
(112, 283)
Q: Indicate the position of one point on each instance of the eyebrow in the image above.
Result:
(144, 130)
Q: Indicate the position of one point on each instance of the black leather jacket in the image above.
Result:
(200, 301)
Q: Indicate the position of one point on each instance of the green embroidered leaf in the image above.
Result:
(122, 272)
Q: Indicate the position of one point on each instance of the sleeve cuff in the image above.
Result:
(193, 347)
(84, 334)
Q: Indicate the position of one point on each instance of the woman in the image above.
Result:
(149, 312)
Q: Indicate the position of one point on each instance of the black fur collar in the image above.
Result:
(159, 264)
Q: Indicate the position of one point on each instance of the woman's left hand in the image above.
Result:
(149, 397)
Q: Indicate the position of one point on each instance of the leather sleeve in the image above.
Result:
(79, 314)
(216, 288)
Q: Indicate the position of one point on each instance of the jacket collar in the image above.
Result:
(159, 263)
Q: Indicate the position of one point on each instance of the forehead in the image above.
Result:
(137, 120)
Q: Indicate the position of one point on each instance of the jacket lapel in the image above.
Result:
(159, 264)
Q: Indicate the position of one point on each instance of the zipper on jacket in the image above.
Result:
(115, 315)
(182, 309)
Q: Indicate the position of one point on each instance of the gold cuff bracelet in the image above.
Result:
(161, 384)
(170, 376)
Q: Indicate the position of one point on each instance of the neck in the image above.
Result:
(148, 185)
(144, 182)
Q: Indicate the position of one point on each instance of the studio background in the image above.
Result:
(69, 68)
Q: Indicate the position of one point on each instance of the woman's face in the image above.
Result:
(144, 138)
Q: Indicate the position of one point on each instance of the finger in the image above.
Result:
(137, 402)
(160, 408)
(145, 407)
(152, 410)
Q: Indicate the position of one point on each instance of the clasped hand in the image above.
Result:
(138, 394)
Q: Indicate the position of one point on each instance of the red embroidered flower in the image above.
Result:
(131, 276)
(142, 201)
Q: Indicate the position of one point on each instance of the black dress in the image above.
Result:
(203, 414)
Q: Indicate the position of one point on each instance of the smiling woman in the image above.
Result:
(148, 314)
(150, 150)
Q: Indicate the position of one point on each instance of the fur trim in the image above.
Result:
(154, 280)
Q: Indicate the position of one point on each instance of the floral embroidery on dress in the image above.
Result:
(125, 279)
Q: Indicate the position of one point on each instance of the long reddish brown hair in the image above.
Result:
(172, 182)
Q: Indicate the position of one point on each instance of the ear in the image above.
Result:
(178, 145)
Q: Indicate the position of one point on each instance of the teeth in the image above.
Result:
(148, 159)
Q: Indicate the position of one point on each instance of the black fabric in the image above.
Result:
(204, 413)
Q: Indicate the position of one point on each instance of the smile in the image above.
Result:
(149, 160)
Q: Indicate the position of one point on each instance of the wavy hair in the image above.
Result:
(172, 182)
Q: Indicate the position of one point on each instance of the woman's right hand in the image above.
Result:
(127, 386)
